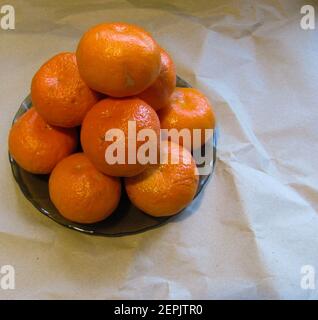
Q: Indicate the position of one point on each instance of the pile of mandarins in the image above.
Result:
(118, 74)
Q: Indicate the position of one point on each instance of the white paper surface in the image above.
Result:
(254, 226)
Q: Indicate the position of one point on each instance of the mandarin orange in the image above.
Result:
(118, 59)
(166, 188)
(59, 94)
(80, 192)
(115, 114)
(158, 94)
(37, 146)
(188, 109)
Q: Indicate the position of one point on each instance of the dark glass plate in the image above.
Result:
(127, 219)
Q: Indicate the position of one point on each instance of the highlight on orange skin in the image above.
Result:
(37, 146)
(59, 94)
(165, 189)
(188, 109)
(158, 94)
(80, 192)
(118, 59)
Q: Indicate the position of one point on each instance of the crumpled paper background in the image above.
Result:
(254, 226)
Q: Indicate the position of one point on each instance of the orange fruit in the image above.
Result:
(188, 109)
(118, 59)
(158, 94)
(114, 114)
(59, 94)
(80, 192)
(37, 146)
(167, 188)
